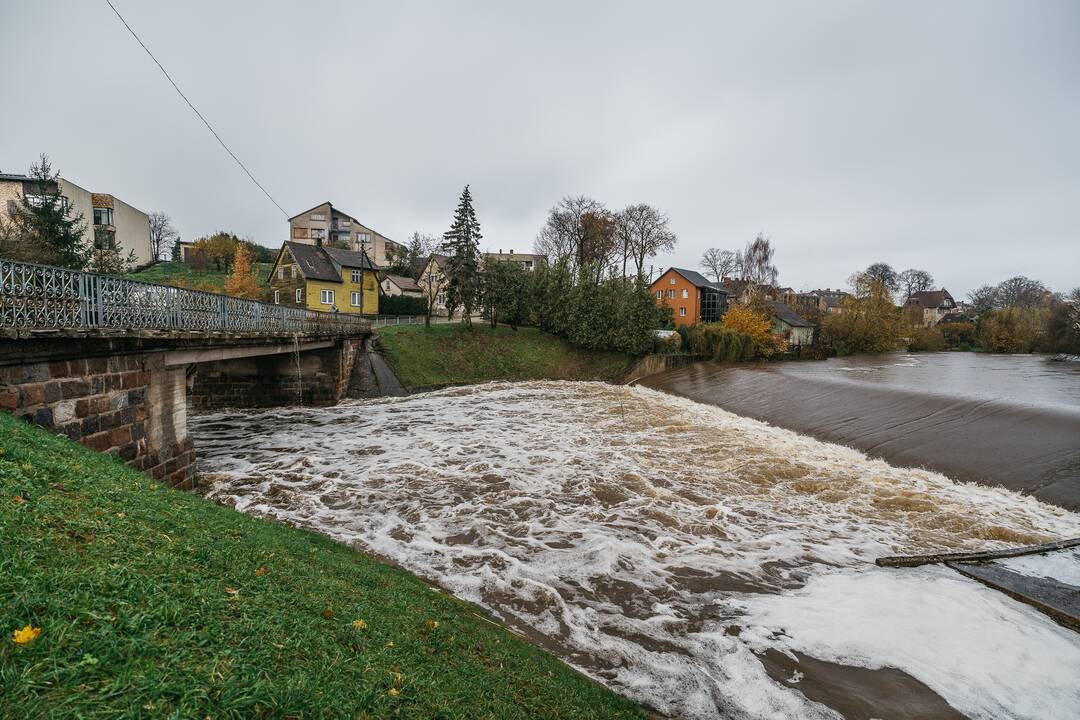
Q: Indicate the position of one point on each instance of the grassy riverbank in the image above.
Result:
(157, 603)
(450, 354)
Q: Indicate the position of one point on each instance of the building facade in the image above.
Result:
(691, 297)
(325, 225)
(931, 306)
(433, 281)
(324, 278)
(394, 285)
(105, 217)
(526, 260)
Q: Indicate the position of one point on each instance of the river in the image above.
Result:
(1011, 420)
(705, 564)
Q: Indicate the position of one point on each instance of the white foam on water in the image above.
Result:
(631, 531)
(988, 656)
(1062, 565)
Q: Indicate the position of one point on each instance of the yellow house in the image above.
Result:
(325, 278)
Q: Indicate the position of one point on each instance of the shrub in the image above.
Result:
(960, 335)
(720, 343)
(1011, 330)
(402, 305)
(927, 339)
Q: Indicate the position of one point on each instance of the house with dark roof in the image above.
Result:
(325, 278)
(930, 306)
(393, 285)
(690, 295)
(789, 324)
(325, 225)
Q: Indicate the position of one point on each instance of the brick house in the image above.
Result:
(325, 278)
(691, 297)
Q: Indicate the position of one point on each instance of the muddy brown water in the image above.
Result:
(1010, 420)
(704, 564)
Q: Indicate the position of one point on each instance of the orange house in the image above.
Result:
(690, 296)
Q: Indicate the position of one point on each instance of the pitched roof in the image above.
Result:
(786, 315)
(929, 298)
(322, 263)
(403, 282)
(15, 178)
(350, 258)
(694, 278)
(324, 202)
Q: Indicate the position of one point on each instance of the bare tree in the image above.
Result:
(1021, 292)
(564, 235)
(884, 274)
(162, 234)
(433, 279)
(983, 299)
(913, 281)
(643, 233)
(722, 263)
(757, 267)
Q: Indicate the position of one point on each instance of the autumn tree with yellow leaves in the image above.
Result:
(242, 283)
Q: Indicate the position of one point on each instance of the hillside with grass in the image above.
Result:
(123, 598)
(451, 354)
(186, 276)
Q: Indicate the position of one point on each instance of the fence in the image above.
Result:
(387, 320)
(36, 297)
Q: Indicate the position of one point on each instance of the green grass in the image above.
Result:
(175, 273)
(450, 354)
(157, 603)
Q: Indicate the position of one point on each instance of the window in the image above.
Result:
(685, 293)
(356, 300)
(318, 216)
(103, 216)
(363, 238)
(318, 233)
(672, 281)
(659, 294)
(356, 276)
(292, 272)
(671, 294)
(327, 297)
(277, 297)
(682, 312)
(299, 295)
(281, 273)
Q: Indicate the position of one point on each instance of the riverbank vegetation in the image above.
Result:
(123, 598)
(452, 354)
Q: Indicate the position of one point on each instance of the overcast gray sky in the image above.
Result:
(937, 135)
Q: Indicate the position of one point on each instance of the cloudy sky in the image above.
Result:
(937, 135)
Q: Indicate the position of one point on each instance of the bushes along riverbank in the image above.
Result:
(450, 355)
(152, 602)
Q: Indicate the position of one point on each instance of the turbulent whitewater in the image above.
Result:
(662, 545)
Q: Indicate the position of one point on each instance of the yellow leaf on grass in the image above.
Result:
(25, 635)
(359, 624)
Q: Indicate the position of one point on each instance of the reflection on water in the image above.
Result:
(1019, 379)
(661, 545)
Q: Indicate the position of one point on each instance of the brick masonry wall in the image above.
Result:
(125, 405)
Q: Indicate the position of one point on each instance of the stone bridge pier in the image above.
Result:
(129, 395)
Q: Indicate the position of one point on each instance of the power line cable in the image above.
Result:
(196, 110)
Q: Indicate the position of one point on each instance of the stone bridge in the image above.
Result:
(113, 363)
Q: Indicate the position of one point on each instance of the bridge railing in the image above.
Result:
(39, 297)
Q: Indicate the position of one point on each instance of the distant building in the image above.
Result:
(105, 216)
(790, 324)
(931, 305)
(526, 260)
(325, 225)
(433, 280)
(690, 295)
(324, 278)
(393, 285)
(830, 302)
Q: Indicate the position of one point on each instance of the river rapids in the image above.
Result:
(703, 563)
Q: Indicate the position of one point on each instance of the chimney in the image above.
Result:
(500, 251)
(511, 251)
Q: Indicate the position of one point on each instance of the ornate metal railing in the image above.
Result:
(39, 297)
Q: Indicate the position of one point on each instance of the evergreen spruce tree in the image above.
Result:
(47, 232)
(462, 243)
